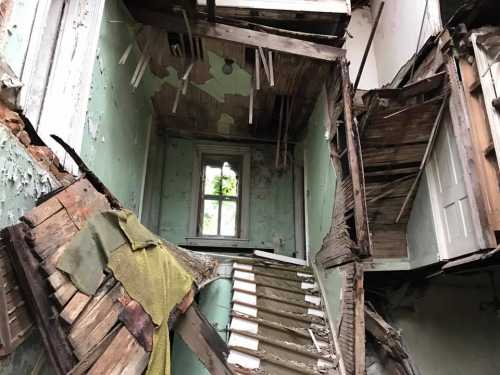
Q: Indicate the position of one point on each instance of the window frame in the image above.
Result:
(217, 150)
(219, 198)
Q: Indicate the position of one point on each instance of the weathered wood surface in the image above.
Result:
(204, 341)
(15, 322)
(124, 355)
(356, 167)
(35, 289)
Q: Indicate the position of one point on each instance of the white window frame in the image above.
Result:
(220, 149)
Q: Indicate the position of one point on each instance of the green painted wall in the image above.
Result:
(116, 128)
(448, 327)
(320, 177)
(320, 183)
(271, 219)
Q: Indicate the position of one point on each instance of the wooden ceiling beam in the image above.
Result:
(234, 34)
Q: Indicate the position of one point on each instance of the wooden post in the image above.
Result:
(355, 164)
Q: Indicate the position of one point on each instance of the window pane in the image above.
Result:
(210, 217)
(228, 219)
(212, 180)
(229, 180)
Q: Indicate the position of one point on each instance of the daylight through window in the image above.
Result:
(220, 198)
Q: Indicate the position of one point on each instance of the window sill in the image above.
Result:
(217, 241)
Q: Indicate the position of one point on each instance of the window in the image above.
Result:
(221, 185)
(220, 198)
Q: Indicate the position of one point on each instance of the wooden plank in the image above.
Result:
(74, 307)
(234, 34)
(42, 212)
(64, 293)
(123, 356)
(87, 362)
(81, 200)
(279, 258)
(356, 168)
(359, 321)
(95, 323)
(43, 236)
(33, 286)
(204, 341)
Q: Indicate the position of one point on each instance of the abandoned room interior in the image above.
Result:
(195, 187)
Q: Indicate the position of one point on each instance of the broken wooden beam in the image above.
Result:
(197, 333)
(234, 34)
(356, 168)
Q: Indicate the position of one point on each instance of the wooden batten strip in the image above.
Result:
(257, 70)
(277, 299)
(264, 64)
(271, 69)
(279, 258)
(270, 324)
(267, 358)
(280, 344)
(267, 285)
(300, 317)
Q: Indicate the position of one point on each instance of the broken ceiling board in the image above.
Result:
(270, 330)
(238, 35)
(316, 6)
(217, 101)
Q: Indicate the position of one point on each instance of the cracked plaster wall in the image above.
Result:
(271, 223)
(449, 324)
(118, 117)
(22, 180)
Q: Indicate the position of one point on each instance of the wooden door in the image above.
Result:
(451, 204)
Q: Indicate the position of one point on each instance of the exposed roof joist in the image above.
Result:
(234, 34)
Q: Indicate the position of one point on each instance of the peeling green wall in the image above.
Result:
(320, 177)
(22, 180)
(271, 219)
(116, 128)
(320, 184)
(448, 326)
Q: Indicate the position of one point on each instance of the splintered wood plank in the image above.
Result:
(42, 212)
(355, 164)
(92, 327)
(123, 356)
(53, 233)
(81, 200)
(95, 353)
(74, 307)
